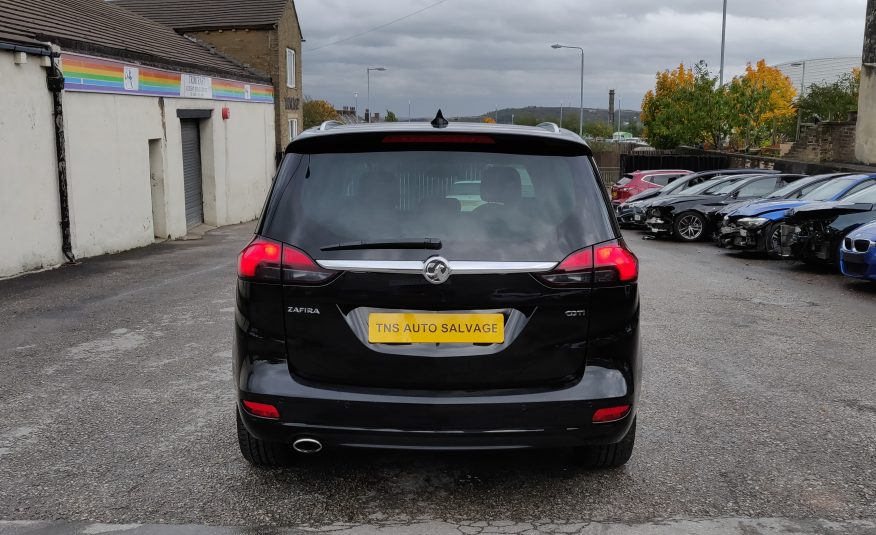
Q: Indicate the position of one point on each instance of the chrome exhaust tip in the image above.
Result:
(307, 445)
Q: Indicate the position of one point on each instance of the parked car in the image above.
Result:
(374, 312)
(686, 217)
(631, 212)
(716, 215)
(813, 233)
(638, 181)
(757, 226)
(858, 253)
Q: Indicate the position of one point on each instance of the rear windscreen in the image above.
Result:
(481, 205)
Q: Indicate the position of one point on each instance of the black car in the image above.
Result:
(631, 212)
(691, 217)
(814, 233)
(375, 311)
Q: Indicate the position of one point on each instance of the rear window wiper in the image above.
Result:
(403, 243)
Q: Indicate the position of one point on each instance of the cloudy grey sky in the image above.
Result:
(470, 56)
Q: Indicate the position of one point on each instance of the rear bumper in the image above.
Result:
(454, 421)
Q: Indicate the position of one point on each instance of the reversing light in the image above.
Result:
(610, 414)
(262, 410)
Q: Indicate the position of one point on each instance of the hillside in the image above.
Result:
(538, 114)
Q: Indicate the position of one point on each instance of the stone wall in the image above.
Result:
(830, 141)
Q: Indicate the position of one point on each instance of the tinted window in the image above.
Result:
(481, 205)
(758, 188)
(722, 188)
(701, 188)
(860, 187)
(830, 190)
(661, 180)
(867, 195)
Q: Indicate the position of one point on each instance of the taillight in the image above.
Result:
(298, 268)
(614, 263)
(266, 260)
(260, 260)
(261, 409)
(608, 263)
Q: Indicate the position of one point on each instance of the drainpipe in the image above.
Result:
(55, 83)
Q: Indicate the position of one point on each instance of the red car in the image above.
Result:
(639, 181)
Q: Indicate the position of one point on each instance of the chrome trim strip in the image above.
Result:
(459, 267)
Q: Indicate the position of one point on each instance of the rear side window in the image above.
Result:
(757, 188)
(661, 180)
(624, 180)
(481, 205)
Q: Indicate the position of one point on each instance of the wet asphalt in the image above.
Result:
(758, 412)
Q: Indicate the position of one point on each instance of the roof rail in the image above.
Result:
(329, 124)
(550, 127)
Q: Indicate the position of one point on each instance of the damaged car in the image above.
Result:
(756, 226)
(686, 217)
(814, 233)
(858, 253)
(631, 213)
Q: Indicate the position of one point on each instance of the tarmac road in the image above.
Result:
(758, 413)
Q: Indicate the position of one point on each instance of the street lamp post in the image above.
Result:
(561, 114)
(581, 117)
(369, 89)
(723, 41)
(356, 106)
(802, 88)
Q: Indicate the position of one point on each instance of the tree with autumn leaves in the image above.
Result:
(688, 107)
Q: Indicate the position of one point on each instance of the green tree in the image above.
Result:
(831, 101)
(317, 112)
(390, 117)
(598, 129)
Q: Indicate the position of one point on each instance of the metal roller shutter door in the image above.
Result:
(191, 148)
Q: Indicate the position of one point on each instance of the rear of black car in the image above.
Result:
(375, 310)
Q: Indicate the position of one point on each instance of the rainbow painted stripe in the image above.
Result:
(97, 75)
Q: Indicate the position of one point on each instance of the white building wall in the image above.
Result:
(111, 190)
(30, 233)
(118, 199)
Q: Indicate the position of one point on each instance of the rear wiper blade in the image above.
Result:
(403, 243)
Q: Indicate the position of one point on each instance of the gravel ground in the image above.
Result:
(758, 402)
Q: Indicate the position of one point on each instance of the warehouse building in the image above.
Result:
(115, 130)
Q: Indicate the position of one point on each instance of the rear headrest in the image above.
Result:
(501, 184)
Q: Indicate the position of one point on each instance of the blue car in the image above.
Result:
(757, 226)
(858, 253)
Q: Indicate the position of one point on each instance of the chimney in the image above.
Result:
(611, 106)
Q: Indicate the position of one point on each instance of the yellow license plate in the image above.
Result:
(424, 328)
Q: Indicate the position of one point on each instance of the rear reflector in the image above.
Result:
(610, 414)
(265, 260)
(261, 409)
(477, 140)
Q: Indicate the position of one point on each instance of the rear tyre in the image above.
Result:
(608, 455)
(689, 226)
(260, 452)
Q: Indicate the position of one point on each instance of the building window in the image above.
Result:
(290, 67)
(293, 128)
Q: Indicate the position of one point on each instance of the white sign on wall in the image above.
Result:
(247, 92)
(132, 78)
(196, 86)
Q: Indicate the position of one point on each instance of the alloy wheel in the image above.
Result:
(690, 227)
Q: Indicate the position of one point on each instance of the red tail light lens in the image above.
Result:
(260, 260)
(575, 270)
(261, 409)
(610, 414)
(614, 263)
(608, 263)
(265, 260)
(298, 268)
